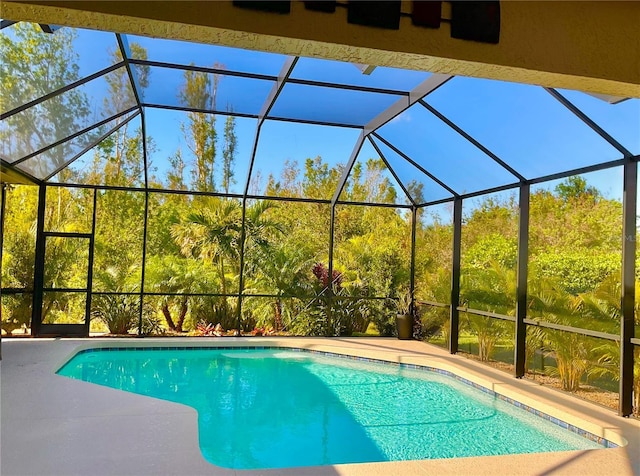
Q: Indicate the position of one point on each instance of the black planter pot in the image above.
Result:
(404, 326)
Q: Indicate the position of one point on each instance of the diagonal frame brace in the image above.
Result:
(90, 146)
(415, 164)
(432, 83)
(464, 134)
(285, 72)
(395, 176)
(125, 50)
(589, 122)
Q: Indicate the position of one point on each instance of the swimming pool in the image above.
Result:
(274, 408)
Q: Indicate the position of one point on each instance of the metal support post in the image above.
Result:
(412, 271)
(454, 324)
(38, 273)
(629, 205)
(522, 275)
(329, 293)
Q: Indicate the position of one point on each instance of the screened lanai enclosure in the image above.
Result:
(155, 187)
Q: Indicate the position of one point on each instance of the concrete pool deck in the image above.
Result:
(57, 426)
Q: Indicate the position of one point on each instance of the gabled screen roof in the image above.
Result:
(255, 117)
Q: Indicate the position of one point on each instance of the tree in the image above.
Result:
(177, 277)
(212, 233)
(121, 153)
(175, 176)
(18, 255)
(280, 271)
(492, 289)
(416, 191)
(199, 93)
(34, 64)
(319, 181)
(575, 187)
(119, 312)
(229, 153)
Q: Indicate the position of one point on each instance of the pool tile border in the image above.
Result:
(567, 426)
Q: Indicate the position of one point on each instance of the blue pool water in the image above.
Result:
(276, 408)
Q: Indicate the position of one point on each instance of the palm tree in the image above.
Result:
(491, 289)
(173, 275)
(572, 352)
(120, 312)
(260, 230)
(602, 305)
(213, 233)
(280, 272)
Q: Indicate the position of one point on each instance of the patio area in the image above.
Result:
(54, 425)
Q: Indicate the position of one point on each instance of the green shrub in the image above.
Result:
(121, 314)
(577, 271)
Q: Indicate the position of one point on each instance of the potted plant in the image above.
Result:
(404, 316)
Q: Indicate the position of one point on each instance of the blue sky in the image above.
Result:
(523, 125)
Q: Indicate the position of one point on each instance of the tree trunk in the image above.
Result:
(277, 316)
(167, 316)
(223, 285)
(182, 315)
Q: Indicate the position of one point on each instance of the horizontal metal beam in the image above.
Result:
(574, 330)
(315, 123)
(168, 191)
(202, 69)
(492, 315)
(433, 304)
(156, 294)
(582, 170)
(102, 187)
(169, 107)
(17, 291)
(265, 77)
(363, 298)
(115, 293)
(65, 330)
(374, 204)
(65, 234)
(289, 199)
(276, 296)
(436, 202)
(65, 290)
(348, 87)
(499, 188)
(234, 295)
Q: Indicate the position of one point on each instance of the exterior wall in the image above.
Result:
(592, 46)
